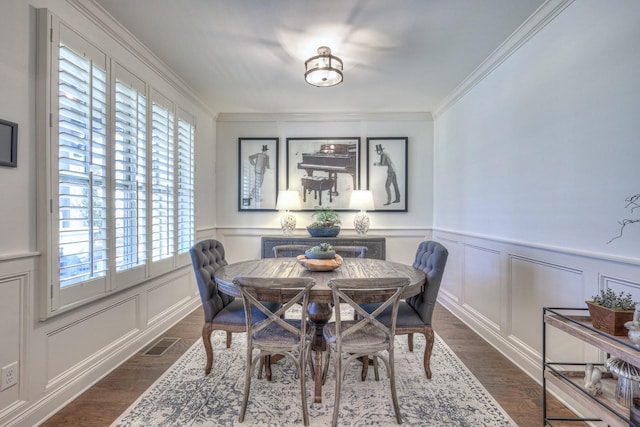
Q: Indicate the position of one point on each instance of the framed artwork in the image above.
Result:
(324, 171)
(258, 174)
(387, 175)
(8, 143)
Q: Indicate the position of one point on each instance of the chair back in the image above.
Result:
(292, 290)
(207, 256)
(351, 251)
(281, 251)
(366, 330)
(431, 258)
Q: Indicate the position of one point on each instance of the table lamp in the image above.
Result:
(363, 200)
(288, 200)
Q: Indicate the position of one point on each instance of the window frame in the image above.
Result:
(56, 299)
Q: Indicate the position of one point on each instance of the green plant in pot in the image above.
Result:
(326, 224)
(610, 311)
(322, 251)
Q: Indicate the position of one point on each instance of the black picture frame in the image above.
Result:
(324, 170)
(387, 173)
(258, 163)
(8, 144)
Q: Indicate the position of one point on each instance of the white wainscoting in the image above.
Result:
(63, 356)
(499, 288)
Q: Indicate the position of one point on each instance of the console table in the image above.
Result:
(376, 245)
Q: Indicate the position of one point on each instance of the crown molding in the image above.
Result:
(103, 20)
(537, 21)
(323, 117)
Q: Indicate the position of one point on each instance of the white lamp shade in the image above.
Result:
(361, 200)
(288, 200)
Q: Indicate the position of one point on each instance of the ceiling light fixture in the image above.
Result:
(323, 69)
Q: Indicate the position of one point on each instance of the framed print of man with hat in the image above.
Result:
(387, 172)
(258, 181)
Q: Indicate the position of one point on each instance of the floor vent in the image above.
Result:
(159, 348)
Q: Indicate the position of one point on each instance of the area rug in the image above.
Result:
(184, 396)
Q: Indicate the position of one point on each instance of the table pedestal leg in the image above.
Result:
(319, 315)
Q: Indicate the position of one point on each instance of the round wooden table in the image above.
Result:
(320, 309)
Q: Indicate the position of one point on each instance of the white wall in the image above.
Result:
(61, 357)
(240, 231)
(532, 166)
(546, 148)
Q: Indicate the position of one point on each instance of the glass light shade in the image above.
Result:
(288, 200)
(363, 200)
(324, 69)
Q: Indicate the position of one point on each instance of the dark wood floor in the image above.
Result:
(518, 394)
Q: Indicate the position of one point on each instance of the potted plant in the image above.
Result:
(326, 224)
(610, 311)
(322, 251)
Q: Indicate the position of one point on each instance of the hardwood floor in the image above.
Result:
(518, 394)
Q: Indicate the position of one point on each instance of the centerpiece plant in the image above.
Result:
(321, 251)
(610, 311)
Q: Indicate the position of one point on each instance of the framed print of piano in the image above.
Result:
(387, 173)
(258, 169)
(324, 171)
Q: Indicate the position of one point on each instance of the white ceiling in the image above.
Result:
(243, 56)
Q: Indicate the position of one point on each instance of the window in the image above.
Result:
(120, 207)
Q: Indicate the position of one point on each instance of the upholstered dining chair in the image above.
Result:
(273, 334)
(415, 313)
(221, 311)
(365, 336)
(280, 251)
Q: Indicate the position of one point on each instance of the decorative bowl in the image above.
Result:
(320, 264)
(323, 231)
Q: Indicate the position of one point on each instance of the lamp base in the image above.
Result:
(288, 223)
(361, 223)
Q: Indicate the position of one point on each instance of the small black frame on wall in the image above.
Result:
(8, 144)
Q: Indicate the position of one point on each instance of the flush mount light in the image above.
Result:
(323, 69)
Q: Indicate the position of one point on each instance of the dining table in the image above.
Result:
(320, 307)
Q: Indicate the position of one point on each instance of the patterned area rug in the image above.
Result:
(184, 396)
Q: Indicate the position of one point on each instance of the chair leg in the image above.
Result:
(410, 341)
(337, 359)
(228, 339)
(325, 371)
(428, 334)
(247, 384)
(365, 367)
(206, 339)
(303, 389)
(375, 368)
(394, 393)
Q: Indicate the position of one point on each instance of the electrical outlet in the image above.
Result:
(9, 376)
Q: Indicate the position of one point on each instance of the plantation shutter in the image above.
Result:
(130, 173)
(162, 184)
(186, 225)
(82, 168)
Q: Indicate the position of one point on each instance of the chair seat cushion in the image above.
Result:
(367, 338)
(407, 316)
(233, 313)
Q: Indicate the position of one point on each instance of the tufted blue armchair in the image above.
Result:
(222, 312)
(415, 313)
